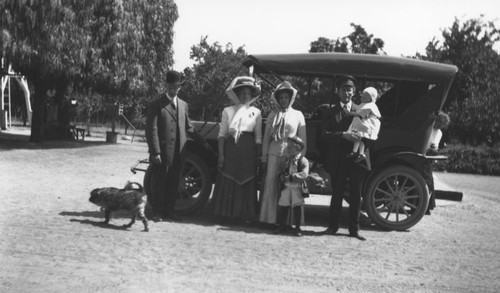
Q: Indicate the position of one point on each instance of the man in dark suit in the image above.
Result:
(167, 128)
(336, 145)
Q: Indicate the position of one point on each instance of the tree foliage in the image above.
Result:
(215, 66)
(358, 41)
(474, 99)
(41, 47)
(119, 49)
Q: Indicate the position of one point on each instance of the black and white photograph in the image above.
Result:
(249, 146)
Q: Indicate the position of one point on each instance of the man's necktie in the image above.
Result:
(346, 110)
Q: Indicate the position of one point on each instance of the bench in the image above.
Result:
(78, 132)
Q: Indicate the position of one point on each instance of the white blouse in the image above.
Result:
(240, 118)
(295, 125)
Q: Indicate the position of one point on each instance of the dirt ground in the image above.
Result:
(51, 240)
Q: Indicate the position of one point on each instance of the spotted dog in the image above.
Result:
(131, 198)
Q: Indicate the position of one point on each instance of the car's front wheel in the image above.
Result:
(396, 198)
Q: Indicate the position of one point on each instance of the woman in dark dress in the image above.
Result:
(239, 145)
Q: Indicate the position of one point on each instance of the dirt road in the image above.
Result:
(51, 241)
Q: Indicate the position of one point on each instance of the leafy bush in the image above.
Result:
(482, 159)
(477, 119)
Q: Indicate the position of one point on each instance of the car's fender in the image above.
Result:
(414, 160)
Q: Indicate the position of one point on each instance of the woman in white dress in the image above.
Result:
(281, 124)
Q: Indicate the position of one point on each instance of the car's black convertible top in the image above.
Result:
(360, 65)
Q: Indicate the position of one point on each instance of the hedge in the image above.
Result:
(484, 160)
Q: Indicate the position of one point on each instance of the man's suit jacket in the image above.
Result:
(333, 146)
(162, 124)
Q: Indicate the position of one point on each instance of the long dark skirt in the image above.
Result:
(235, 192)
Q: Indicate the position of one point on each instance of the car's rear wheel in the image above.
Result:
(396, 198)
(195, 184)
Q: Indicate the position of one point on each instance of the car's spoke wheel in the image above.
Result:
(396, 198)
(195, 185)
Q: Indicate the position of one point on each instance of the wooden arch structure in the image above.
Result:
(6, 101)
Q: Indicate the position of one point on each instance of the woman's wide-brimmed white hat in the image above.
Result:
(247, 81)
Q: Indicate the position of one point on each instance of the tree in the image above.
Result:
(361, 42)
(41, 47)
(322, 44)
(474, 99)
(132, 44)
(356, 42)
(209, 77)
(132, 50)
(122, 50)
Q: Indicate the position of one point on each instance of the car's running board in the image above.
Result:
(448, 195)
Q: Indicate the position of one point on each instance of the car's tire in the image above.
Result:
(396, 197)
(195, 184)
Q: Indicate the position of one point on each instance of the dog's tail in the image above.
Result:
(134, 186)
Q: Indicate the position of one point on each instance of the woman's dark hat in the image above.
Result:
(345, 80)
(174, 77)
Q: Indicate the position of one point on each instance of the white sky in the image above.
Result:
(289, 26)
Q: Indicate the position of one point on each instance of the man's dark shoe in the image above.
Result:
(173, 217)
(330, 231)
(355, 234)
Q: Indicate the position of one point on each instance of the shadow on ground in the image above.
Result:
(315, 216)
(100, 224)
(15, 141)
(100, 216)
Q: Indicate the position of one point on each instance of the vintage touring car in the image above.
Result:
(399, 187)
